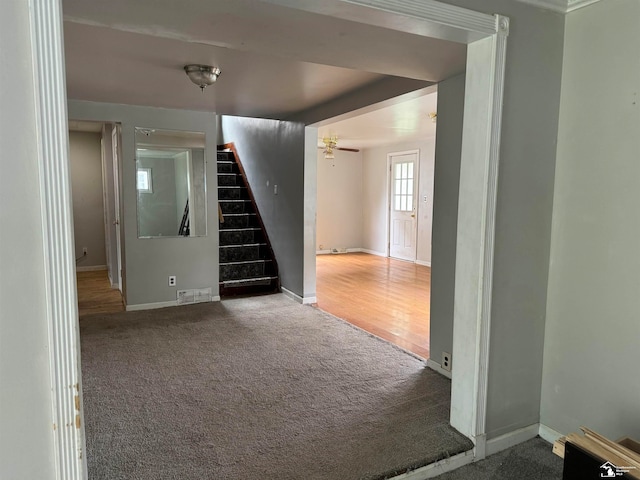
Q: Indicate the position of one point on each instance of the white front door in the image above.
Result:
(403, 204)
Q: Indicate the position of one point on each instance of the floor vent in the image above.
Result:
(197, 295)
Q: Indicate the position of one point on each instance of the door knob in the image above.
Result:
(413, 215)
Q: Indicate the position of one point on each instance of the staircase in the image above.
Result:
(247, 263)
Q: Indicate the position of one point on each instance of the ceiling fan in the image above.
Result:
(330, 144)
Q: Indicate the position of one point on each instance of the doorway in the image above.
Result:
(403, 185)
(481, 141)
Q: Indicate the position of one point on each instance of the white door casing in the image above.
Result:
(403, 189)
(115, 142)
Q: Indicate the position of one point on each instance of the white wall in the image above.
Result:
(26, 421)
(85, 159)
(149, 262)
(592, 337)
(376, 192)
(339, 201)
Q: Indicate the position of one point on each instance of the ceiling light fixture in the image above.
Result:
(202, 75)
(329, 144)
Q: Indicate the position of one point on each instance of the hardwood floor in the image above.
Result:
(95, 294)
(386, 297)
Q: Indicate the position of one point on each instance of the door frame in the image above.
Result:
(116, 150)
(416, 188)
(486, 39)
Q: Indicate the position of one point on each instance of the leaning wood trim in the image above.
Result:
(60, 282)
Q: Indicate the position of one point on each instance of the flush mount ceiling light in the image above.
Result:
(202, 75)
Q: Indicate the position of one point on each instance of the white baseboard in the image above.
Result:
(91, 268)
(512, 439)
(297, 298)
(438, 368)
(548, 433)
(423, 263)
(348, 250)
(151, 306)
(373, 252)
(172, 303)
(437, 468)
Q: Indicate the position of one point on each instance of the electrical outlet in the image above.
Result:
(321, 247)
(172, 280)
(84, 251)
(446, 361)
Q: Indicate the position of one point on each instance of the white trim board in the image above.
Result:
(156, 305)
(438, 468)
(433, 365)
(548, 433)
(91, 268)
(423, 263)
(68, 455)
(297, 298)
(512, 439)
(560, 6)
(330, 251)
(373, 252)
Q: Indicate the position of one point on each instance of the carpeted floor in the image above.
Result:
(258, 388)
(532, 460)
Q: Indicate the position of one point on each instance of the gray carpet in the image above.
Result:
(532, 460)
(259, 388)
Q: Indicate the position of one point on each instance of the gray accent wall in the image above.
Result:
(26, 440)
(592, 338)
(445, 214)
(149, 262)
(273, 153)
(85, 159)
(524, 206)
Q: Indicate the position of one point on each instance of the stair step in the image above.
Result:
(231, 206)
(245, 262)
(243, 252)
(239, 220)
(227, 179)
(232, 192)
(236, 236)
(244, 270)
(247, 282)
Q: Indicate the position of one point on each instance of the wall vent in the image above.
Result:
(197, 295)
(338, 250)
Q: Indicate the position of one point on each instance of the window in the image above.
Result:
(144, 180)
(403, 187)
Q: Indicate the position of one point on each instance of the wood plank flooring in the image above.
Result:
(95, 294)
(386, 297)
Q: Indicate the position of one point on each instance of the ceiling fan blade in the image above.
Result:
(348, 149)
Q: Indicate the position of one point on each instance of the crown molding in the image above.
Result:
(560, 6)
(576, 4)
